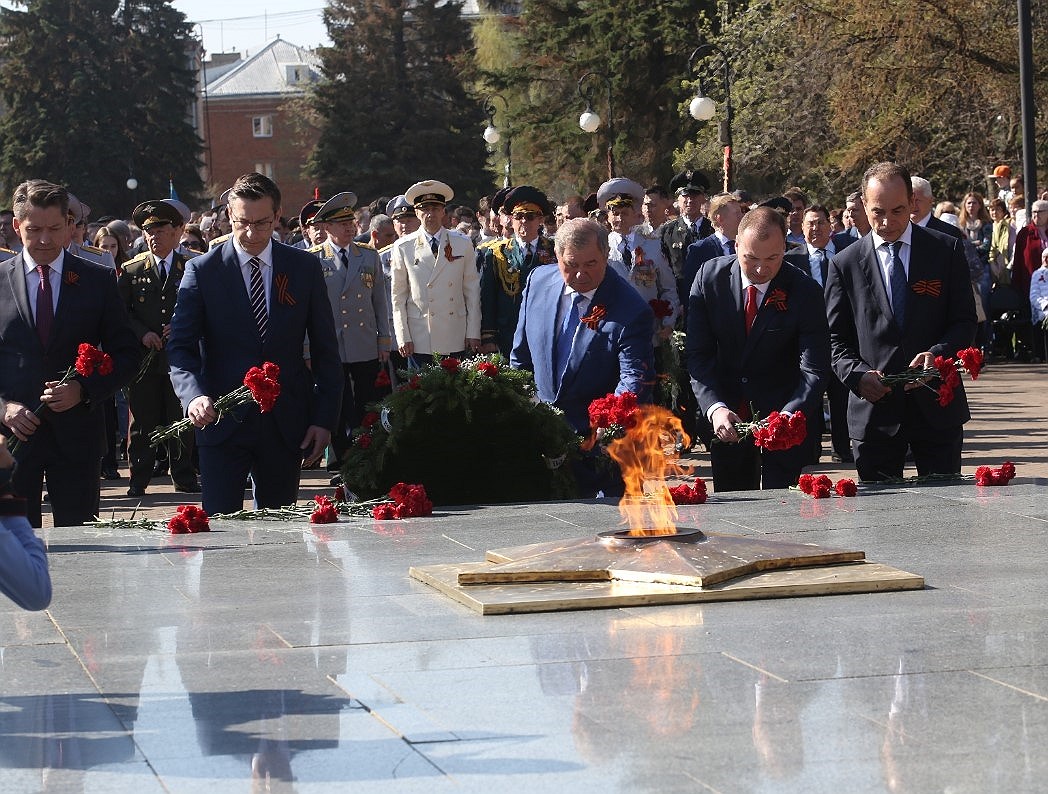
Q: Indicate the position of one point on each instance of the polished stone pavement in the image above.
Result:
(285, 657)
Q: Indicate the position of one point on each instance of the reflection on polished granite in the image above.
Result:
(291, 658)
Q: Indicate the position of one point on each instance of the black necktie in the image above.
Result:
(342, 255)
(45, 306)
(730, 245)
(627, 255)
(258, 297)
(161, 264)
(433, 245)
(897, 279)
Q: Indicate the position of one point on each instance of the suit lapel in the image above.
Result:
(441, 260)
(15, 267)
(584, 335)
(424, 260)
(67, 294)
(235, 287)
(738, 320)
(871, 268)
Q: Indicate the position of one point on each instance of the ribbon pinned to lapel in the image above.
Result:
(283, 295)
(71, 277)
(931, 287)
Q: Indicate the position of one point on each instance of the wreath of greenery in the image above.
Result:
(471, 431)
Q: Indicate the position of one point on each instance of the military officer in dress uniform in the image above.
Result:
(436, 286)
(357, 292)
(79, 213)
(639, 257)
(148, 287)
(506, 264)
(312, 234)
(689, 189)
(405, 222)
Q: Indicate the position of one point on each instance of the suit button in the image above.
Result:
(745, 380)
(344, 325)
(451, 284)
(345, 310)
(359, 311)
(361, 325)
(358, 295)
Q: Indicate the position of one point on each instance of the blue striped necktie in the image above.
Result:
(562, 345)
(258, 297)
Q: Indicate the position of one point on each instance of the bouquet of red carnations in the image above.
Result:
(946, 369)
(777, 432)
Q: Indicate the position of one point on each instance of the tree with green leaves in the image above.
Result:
(72, 113)
(392, 106)
(536, 60)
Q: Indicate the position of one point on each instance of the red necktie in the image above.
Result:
(751, 306)
(45, 307)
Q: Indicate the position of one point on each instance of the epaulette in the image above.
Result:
(364, 245)
(489, 243)
(384, 249)
(316, 249)
(139, 258)
(7, 251)
(93, 250)
(218, 241)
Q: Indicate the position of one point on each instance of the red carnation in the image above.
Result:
(264, 384)
(364, 441)
(187, 519)
(450, 364)
(780, 431)
(489, 369)
(821, 491)
(971, 359)
(369, 419)
(614, 409)
(689, 495)
(382, 379)
(984, 475)
(325, 512)
(89, 359)
(845, 487)
(384, 512)
(806, 482)
(662, 308)
(178, 525)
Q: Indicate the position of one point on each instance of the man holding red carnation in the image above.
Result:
(51, 303)
(897, 299)
(247, 301)
(757, 343)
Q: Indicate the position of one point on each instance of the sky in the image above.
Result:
(245, 25)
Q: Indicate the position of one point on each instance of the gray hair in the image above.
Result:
(378, 221)
(578, 233)
(921, 186)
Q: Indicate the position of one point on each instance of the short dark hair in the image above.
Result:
(657, 190)
(796, 194)
(41, 194)
(255, 186)
(762, 220)
(885, 172)
(818, 208)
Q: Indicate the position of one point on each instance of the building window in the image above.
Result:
(262, 126)
(266, 169)
(296, 73)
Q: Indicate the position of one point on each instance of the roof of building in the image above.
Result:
(278, 68)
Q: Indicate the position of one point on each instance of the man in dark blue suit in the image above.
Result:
(898, 298)
(822, 244)
(583, 330)
(52, 302)
(757, 337)
(247, 301)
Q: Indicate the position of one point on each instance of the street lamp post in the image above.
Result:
(590, 121)
(702, 108)
(492, 135)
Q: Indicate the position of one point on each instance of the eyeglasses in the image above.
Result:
(244, 223)
(526, 216)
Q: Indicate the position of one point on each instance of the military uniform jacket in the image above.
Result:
(504, 272)
(150, 304)
(436, 299)
(99, 256)
(675, 236)
(385, 258)
(648, 272)
(358, 300)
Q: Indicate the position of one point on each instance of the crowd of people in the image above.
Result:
(722, 308)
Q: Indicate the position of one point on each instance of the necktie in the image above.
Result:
(258, 297)
(897, 280)
(818, 260)
(562, 345)
(730, 245)
(344, 257)
(45, 307)
(433, 245)
(527, 255)
(163, 271)
(627, 255)
(751, 307)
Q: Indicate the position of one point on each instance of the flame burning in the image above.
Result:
(647, 507)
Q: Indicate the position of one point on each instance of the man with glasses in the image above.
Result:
(248, 301)
(506, 265)
(436, 286)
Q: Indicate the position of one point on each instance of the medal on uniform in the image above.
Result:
(368, 278)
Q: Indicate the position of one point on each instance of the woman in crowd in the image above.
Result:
(974, 220)
(108, 240)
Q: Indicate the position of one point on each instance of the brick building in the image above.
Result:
(248, 124)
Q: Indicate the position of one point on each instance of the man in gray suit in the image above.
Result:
(356, 288)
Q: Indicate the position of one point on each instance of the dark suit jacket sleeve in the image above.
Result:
(187, 330)
(637, 356)
(814, 345)
(325, 361)
(844, 336)
(701, 347)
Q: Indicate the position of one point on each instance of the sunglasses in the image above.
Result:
(526, 216)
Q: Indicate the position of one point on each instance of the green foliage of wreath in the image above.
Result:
(471, 431)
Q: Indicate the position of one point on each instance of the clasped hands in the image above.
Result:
(23, 423)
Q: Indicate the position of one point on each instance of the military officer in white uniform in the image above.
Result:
(436, 286)
(639, 255)
(357, 291)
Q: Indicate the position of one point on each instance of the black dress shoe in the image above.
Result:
(110, 473)
(136, 491)
(160, 469)
(188, 487)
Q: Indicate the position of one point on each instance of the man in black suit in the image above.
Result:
(51, 303)
(897, 299)
(756, 337)
(822, 244)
